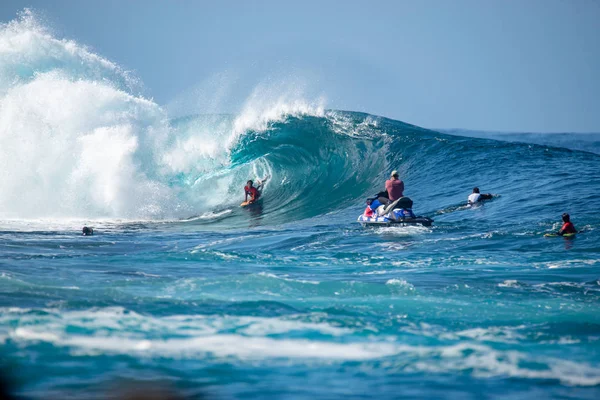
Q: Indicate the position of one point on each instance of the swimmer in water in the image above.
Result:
(568, 226)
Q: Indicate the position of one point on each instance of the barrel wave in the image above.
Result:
(79, 141)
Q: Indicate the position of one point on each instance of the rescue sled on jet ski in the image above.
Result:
(381, 211)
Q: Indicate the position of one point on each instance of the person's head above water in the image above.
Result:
(249, 183)
(394, 174)
(475, 190)
(566, 217)
(87, 231)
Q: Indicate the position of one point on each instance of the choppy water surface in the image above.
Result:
(291, 299)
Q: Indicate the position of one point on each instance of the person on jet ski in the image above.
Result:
(394, 187)
(477, 197)
(382, 197)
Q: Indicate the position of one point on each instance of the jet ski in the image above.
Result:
(401, 215)
(401, 220)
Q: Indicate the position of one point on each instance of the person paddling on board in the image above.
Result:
(477, 197)
(568, 226)
(394, 187)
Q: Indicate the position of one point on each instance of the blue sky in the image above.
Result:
(491, 65)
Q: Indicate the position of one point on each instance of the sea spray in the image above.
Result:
(78, 141)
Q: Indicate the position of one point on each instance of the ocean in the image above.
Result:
(290, 299)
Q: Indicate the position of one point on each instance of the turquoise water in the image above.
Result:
(292, 299)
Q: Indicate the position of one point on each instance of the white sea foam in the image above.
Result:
(493, 334)
(345, 124)
(378, 272)
(131, 323)
(574, 263)
(219, 345)
(479, 360)
(285, 278)
(71, 134)
(77, 140)
(509, 283)
(119, 331)
(420, 263)
(401, 283)
(403, 230)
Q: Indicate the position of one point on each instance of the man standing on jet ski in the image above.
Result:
(392, 206)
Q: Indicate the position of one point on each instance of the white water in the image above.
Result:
(201, 335)
(77, 141)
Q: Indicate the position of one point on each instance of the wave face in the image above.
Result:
(77, 141)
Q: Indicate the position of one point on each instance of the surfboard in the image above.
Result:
(567, 235)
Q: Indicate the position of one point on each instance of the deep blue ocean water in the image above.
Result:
(291, 299)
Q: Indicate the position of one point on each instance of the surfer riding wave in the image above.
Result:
(254, 192)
